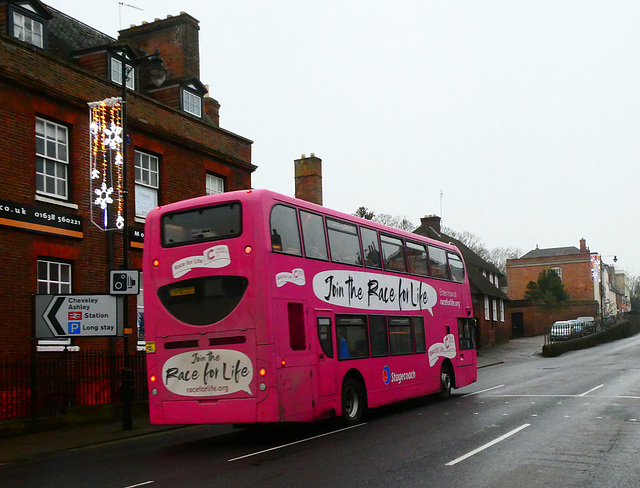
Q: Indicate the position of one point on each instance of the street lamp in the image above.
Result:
(158, 73)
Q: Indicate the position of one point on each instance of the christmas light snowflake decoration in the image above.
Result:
(103, 199)
(111, 136)
(106, 138)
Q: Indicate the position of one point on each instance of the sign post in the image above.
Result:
(77, 316)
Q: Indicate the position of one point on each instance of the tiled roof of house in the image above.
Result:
(68, 35)
(551, 252)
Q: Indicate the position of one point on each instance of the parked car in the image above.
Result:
(578, 328)
(561, 330)
(590, 324)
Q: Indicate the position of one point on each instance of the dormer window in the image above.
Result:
(116, 70)
(27, 23)
(191, 103)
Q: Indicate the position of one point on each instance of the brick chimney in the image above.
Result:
(583, 246)
(212, 109)
(432, 221)
(308, 178)
(177, 41)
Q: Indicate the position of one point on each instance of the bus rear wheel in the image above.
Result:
(353, 401)
(446, 381)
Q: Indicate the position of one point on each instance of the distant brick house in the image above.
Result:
(574, 266)
(51, 66)
(489, 302)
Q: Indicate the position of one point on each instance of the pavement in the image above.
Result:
(73, 437)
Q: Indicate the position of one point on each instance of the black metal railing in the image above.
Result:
(56, 381)
(568, 330)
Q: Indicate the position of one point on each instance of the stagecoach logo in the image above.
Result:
(210, 372)
(389, 377)
(355, 289)
(446, 348)
(214, 257)
(296, 277)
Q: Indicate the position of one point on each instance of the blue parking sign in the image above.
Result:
(74, 328)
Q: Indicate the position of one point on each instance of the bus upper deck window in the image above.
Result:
(285, 236)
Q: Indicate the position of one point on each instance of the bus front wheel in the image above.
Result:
(446, 381)
(353, 401)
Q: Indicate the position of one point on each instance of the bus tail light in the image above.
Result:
(262, 372)
(248, 250)
(153, 378)
(156, 263)
(283, 363)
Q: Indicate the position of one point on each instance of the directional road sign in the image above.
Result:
(76, 316)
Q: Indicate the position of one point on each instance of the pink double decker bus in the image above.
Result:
(264, 308)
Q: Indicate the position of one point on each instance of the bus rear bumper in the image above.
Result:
(231, 411)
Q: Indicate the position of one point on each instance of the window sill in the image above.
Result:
(139, 220)
(40, 198)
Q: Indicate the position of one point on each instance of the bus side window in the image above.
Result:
(353, 342)
(371, 248)
(315, 241)
(297, 337)
(438, 263)
(393, 254)
(344, 242)
(379, 336)
(456, 267)
(400, 336)
(324, 336)
(417, 257)
(285, 236)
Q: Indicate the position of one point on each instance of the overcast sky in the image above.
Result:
(524, 114)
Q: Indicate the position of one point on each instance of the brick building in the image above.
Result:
(51, 67)
(574, 266)
(489, 302)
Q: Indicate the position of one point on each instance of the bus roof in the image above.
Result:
(251, 194)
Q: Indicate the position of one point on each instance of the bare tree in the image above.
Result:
(365, 213)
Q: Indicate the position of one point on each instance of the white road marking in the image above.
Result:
(294, 443)
(592, 389)
(481, 391)
(140, 484)
(488, 445)
(596, 397)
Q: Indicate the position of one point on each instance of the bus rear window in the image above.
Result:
(202, 224)
(203, 301)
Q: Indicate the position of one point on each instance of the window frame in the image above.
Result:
(187, 103)
(33, 18)
(142, 187)
(58, 163)
(210, 178)
(114, 62)
(557, 270)
(61, 343)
